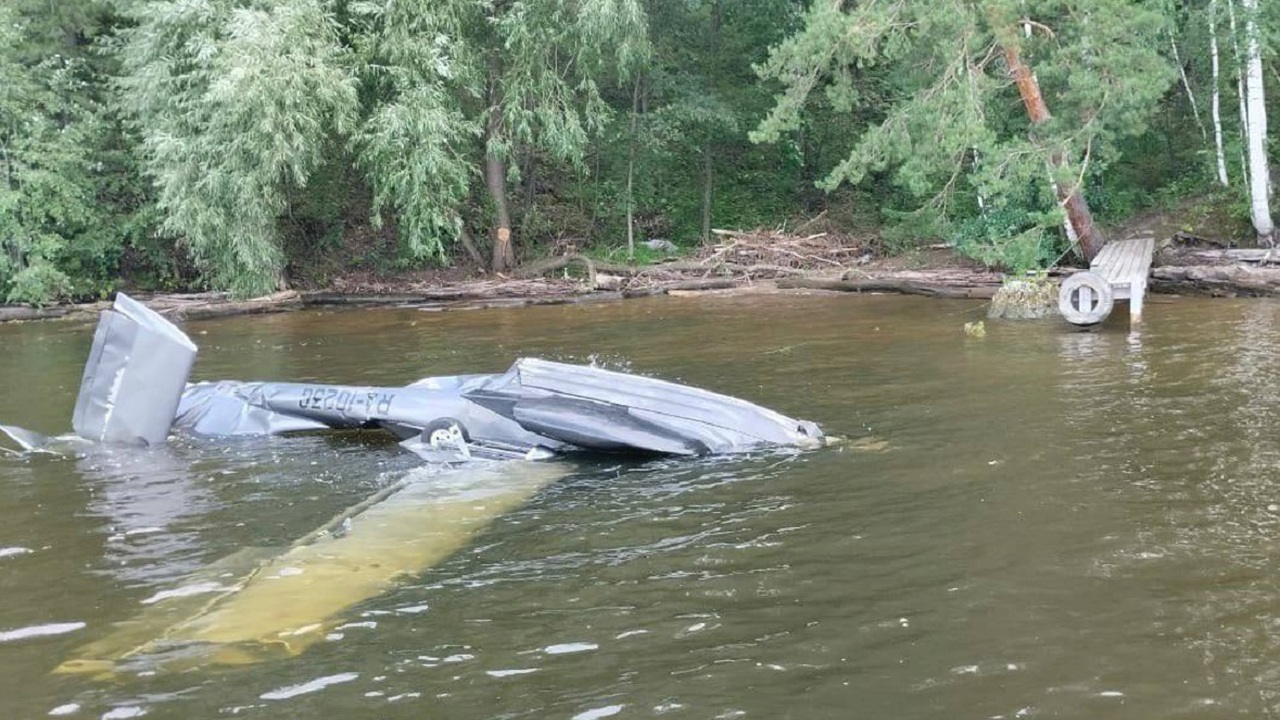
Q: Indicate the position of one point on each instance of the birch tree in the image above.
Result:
(1214, 104)
(1256, 129)
(1241, 95)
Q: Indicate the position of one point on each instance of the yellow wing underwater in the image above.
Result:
(257, 604)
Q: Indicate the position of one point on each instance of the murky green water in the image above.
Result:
(1058, 524)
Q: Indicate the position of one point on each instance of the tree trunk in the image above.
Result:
(708, 178)
(708, 166)
(495, 178)
(1214, 105)
(1088, 236)
(982, 201)
(631, 173)
(1186, 85)
(529, 171)
(1240, 93)
(1259, 175)
(469, 244)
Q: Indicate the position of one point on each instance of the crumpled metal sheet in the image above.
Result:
(537, 406)
(428, 409)
(135, 375)
(134, 390)
(606, 410)
(26, 440)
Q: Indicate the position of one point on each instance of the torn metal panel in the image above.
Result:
(536, 406)
(134, 390)
(135, 375)
(415, 413)
(26, 440)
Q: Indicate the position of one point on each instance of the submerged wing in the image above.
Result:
(250, 607)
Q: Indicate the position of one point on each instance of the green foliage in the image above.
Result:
(440, 73)
(697, 97)
(234, 104)
(944, 102)
(261, 137)
(643, 255)
(38, 282)
(1009, 237)
(414, 151)
(63, 216)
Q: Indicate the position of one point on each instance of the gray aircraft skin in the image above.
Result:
(476, 432)
(134, 392)
(534, 410)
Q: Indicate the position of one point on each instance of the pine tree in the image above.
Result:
(939, 77)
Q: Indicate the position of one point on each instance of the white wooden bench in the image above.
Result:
(1119, 272)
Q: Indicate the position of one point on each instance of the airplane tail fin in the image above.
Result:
(134, 377)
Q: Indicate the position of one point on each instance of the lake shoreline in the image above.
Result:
(936, 272)
(483, 294)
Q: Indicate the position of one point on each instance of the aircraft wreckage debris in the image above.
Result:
(476, 432)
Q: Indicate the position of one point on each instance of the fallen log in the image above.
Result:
(632, 293)
(907, 287)
(1186, 238)
(1247, 255)
(327, 297)
(695, 285)
(809, 223)
(1218, 280)
(513, 302)
(22, 313)
(725, 268)
(683, 286)
(542, 267)
(277, 302)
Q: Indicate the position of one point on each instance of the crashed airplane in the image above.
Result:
(481, 436)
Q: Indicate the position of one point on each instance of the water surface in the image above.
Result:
(1038, 523)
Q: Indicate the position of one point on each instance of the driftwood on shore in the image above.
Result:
(22, 313)
(760, 261)
(277, 302)
(906, 287)
(1262, 256)
(1218, 280)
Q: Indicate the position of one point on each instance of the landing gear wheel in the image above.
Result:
(446, 433)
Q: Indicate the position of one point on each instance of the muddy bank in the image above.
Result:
(739, 263)
(473, 295)
(755, 262)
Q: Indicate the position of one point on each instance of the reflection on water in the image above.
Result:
(147, 497)
(1038, 523)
